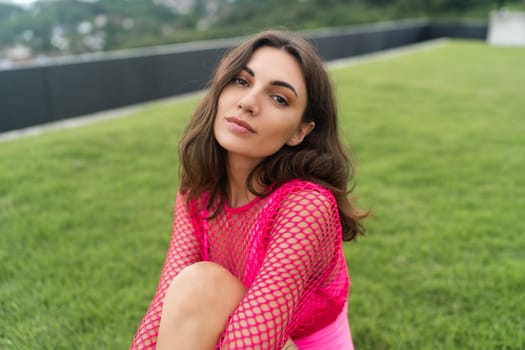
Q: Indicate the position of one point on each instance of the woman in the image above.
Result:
(256, 260)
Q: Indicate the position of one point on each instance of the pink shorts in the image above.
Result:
(335, 336)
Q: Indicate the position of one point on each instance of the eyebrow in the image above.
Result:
(273, 82)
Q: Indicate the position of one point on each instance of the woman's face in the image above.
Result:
(261, 109)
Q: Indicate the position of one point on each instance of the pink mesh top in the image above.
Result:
(286, 249)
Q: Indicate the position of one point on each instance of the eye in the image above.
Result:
(240, 81)
(280, 100)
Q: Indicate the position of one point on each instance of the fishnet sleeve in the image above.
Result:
(184, 249)
(300, 250)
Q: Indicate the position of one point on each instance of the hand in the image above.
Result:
(290, 345)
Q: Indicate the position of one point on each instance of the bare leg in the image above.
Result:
(196, 307)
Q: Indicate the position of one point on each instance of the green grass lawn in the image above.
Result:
(439, 137)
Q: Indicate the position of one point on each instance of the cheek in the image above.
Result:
(286, 130)
(216, 126)
(226, 97)
(222, 104)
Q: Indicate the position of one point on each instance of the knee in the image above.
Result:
(203, 284)
(204, 270)
(206, 275)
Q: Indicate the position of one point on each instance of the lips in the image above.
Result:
(240, 125)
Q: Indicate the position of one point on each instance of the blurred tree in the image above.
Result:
(8, 15)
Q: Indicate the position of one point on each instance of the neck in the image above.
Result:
(238, 171)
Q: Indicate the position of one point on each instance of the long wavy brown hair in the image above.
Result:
(319, 158)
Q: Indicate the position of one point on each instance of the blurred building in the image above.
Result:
(507, 28)
(18, 53)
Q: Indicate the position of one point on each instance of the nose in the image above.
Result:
(248, 102)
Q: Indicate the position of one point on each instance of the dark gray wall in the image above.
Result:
(457, 29)
(77, 85)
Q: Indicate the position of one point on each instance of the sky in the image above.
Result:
(19, 2)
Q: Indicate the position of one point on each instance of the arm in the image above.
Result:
(300, 250)
(184, 249)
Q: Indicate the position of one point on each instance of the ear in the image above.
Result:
(303, 130)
